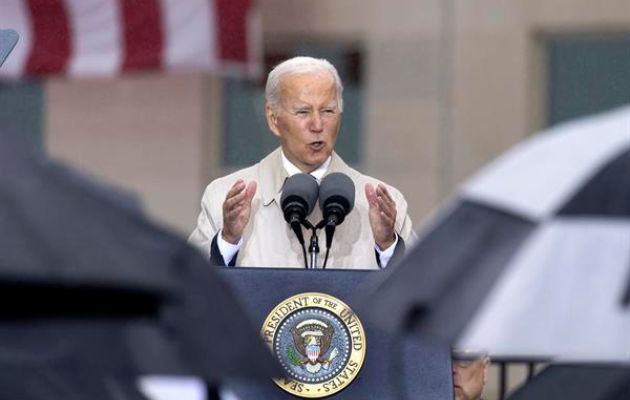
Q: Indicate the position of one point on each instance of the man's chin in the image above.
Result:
(316, 161)
(458, 393)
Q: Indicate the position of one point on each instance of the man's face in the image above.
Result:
(307, 119)
(469, 377)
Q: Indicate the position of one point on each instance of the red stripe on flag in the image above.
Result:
(142, 32)
(51, 37)
(232, 29)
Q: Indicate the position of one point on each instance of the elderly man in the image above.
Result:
(241, 222)
(470, 372)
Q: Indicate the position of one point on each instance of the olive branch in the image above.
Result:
(294, 358)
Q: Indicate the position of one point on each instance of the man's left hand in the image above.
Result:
(382, 215)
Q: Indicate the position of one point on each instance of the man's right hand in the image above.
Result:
(237, 208)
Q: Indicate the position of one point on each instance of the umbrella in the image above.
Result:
(531, 258)
(87, 282)
(33, 383)
(8, 40)
(577, 382)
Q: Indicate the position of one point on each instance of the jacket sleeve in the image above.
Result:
(207, 225)
(399, 253)
(216, 258)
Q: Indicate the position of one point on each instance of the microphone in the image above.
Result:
(299, 195)
(336, 199)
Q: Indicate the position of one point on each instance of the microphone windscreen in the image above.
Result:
(335, 187)
(302, 186)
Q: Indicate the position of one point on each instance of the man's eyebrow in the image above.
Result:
(301, 107)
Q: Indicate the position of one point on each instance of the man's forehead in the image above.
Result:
(297, 103)
(297, 80)
(297, 96)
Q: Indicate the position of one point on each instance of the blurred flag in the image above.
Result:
(100, 38)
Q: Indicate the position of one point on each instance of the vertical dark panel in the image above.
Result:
(246, 137)
(587, 74)
(22, 109)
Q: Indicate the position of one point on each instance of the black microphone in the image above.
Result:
(299, 195)
(336, 199)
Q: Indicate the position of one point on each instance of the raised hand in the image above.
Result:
(382, 212)
(237, 208)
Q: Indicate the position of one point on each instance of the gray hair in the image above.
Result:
(300, 65)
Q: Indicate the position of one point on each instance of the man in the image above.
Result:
(241, 222)
(470, 372)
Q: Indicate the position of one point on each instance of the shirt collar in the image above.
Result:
(272, 173)
(317, 174)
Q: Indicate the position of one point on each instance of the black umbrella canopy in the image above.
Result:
(577, 382)
(85, 276)
(22, 382)
(531, 258)
(58, 227)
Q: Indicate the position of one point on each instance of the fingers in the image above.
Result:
(381, 191)
(386, 204)
(382, 214)
(238, 200)
(380, 198)
(237, 196)
(236, 209)
(250, 190)
(370, 194)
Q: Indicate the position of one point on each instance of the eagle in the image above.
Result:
(312, 339)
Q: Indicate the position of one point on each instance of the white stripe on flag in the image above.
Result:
(190, 34)
(15, 15)
(96, 29)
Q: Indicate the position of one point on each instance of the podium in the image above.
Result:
(395, 367)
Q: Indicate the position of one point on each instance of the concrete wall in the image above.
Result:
(153, 135)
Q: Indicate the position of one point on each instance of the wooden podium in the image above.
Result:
(395, 367)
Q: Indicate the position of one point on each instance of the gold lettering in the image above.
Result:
(299, 303)
(298, 387)
(330, 304)
(347, 316)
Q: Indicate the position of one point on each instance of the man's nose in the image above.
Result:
(317, 124)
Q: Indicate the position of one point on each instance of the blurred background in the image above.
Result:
(434, 89)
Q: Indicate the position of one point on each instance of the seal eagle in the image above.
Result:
(312, 339)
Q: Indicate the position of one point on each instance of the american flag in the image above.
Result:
(100, 38)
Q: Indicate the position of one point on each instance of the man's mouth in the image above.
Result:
(318, 145)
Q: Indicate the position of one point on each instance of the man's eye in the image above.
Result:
(301, 112)
(329, 111)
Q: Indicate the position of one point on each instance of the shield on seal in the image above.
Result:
(312, 352)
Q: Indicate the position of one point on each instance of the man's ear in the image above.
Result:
(272, 119)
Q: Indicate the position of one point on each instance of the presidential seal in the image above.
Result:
(318, 340)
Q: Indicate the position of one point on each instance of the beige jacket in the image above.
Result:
(268, 241)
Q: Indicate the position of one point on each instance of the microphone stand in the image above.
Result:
(313, 248)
